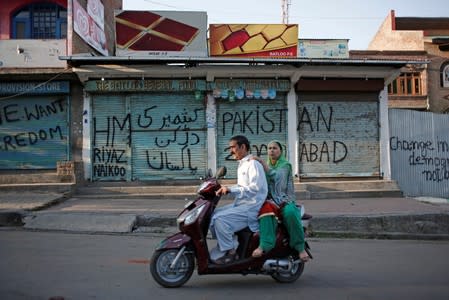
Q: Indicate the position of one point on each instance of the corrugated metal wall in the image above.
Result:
(34, 132)
(259, 120)
(150, 136)
(338, 135)
(419, 148)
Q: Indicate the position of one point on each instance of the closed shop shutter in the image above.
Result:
(151, 136)
(34, 132)
(259, 120)
(338, 135)
(111, 139)
(169, 136)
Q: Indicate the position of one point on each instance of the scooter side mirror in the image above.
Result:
(221, 172)
(209, 173)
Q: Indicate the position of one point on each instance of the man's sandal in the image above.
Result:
(226, 259)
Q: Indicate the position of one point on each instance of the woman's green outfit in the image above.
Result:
(281, 190)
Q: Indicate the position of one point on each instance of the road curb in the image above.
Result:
(378, 235)
(81, 222)
(407, 224)
(414, 227)
(11, 218)
(432, 226)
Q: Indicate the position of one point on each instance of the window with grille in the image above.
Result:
(444, 70)
(407, 84)
(40, 21)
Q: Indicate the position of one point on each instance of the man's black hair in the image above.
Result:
(241, 140)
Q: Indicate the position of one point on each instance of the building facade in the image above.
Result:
(152, 118)
(174, 120)
(430, 36)
(40, 118)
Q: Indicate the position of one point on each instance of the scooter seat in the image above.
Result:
(269, 208)
(306, 216)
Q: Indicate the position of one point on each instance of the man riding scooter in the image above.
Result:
(250, 193)
(175, 258)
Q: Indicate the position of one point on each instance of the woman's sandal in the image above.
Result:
(304, 257)
(258, 252)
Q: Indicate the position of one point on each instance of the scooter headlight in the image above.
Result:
(191, 217)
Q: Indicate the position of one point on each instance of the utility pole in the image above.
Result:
(285, 8)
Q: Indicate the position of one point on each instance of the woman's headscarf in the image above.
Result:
(280, 184)
(282, 161)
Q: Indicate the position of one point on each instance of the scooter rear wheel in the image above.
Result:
(291, 276)
(171, 277)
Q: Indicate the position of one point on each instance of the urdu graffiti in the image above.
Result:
(161, 141)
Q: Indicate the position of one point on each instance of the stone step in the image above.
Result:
(352, 194)
(351, 185)
(352, 189)
(33, 178)
(58, 187)
(310, 190)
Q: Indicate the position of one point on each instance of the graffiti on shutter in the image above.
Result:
(33, 132)
(338, 138)
(259, 120)
(168, 136)
(149, 136)
(110, 138)
(419, 149)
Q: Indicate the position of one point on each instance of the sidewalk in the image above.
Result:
(387, 217)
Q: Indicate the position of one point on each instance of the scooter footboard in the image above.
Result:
(248, 241)
(175, 241)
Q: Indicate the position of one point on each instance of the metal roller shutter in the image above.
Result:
(259, 120)
(111, 151)
(151, 136)
(338, 138)
(168, 136)
(34, 132)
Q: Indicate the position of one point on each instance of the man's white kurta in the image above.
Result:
(250, 193)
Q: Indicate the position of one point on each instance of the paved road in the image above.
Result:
(40, 265)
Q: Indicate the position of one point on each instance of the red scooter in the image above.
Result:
(173, 261)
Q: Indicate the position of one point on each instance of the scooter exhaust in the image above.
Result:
(278, 265)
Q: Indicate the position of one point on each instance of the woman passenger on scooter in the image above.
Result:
(281, 190)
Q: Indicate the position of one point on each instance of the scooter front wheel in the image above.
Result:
(165, 274)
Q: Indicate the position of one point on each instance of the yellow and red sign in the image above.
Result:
(254, 40)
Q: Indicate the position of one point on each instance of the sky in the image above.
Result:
(355, 20)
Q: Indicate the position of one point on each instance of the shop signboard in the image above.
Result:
(86, 27)
(161, 33)
(323, 48)
(34, 88)
(95, 9)
(254, 40)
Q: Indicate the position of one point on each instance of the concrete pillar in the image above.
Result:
(211, 121)
(291, 129)
(384, 135)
